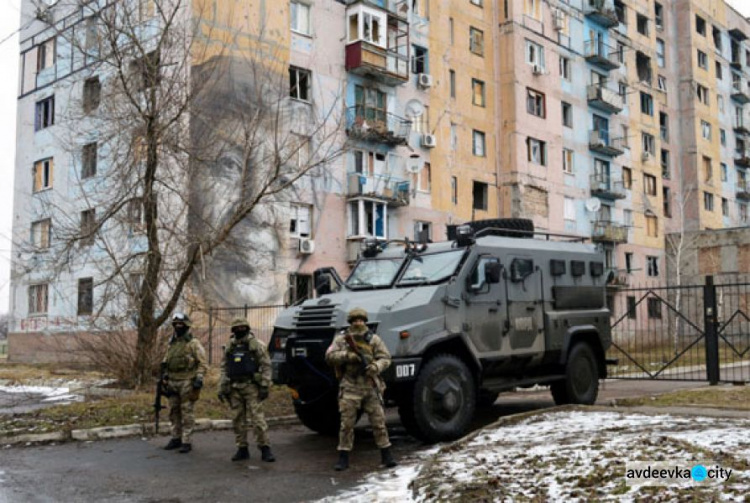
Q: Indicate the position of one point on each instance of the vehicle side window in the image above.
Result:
(520, 269)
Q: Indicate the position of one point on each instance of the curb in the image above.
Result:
(127, 430)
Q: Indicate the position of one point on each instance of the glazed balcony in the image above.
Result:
(604, 187)
(605, 99)
(740, 93)
(367, 124)
(601, 12)
(600, 142)
(601, 55)
(605, 231)
(743, 190)
(394, 191)
(377, 38)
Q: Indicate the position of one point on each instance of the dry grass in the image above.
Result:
(723, 397)
(130, 408)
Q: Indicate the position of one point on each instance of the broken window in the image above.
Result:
(299, 222)
(419, 60)
(476, 41)
(536, 151)
(477, 92)
(42, 172)
(45, 57)
(40, 234)
(92, 90)
(654, 306)
(478, 143)
(642, 24)
(480, 196)
(44, 115)
(38, 299)
(88, 160)
(85, 296)
(299, 83)
(649, 184)
(643, 67)
(146, 71)
(535, 103)
(422, 231)
(369, 218)
(88, 227)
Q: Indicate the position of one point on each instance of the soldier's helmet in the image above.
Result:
(239, 322)
(357, 314)
(181, 318)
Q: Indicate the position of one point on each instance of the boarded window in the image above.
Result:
(42, 172)
(38, 299)
(40, 233)
(44, 115)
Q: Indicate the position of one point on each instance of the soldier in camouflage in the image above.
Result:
(183, 369)
(244, 383)
(360, 384)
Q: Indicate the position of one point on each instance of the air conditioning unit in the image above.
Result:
(645, 157)
(424, 80)
(429, 141)
(306, 246)
(537, 70)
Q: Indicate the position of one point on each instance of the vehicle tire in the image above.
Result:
(443, 401)
(514, 224)
(487, 398)
(321, 416)
(581, 383)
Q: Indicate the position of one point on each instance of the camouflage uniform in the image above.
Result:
(356, 388)
(243, 393)
(185, 361)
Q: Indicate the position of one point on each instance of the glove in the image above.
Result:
(372, 370)
(198, 382)
(262, 393)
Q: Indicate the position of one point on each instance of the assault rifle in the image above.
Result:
(363, 363)
(161, 385)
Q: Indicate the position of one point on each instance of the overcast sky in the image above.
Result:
(9, 22)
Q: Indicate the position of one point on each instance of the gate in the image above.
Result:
(261, 319)
(682, 333)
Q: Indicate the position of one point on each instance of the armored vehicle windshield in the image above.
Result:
(374, 273)
(431, 268)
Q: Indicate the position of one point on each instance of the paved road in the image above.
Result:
(137, 470)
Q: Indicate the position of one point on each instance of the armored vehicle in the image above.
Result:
(488, 311)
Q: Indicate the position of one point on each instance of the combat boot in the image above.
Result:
(185, 448)
(343, 462)
(386, 458)
(266, 454)
(174, 443)
(242, 453)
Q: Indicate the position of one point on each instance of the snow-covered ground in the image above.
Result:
(571, 456)
(42, 393)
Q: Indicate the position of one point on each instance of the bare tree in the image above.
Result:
(3, 326)
(186, 147)
(681, 249)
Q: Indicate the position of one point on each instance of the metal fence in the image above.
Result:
(261, 319)
(694, 332)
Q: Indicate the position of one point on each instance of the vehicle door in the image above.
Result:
(524, 307)
(484, 299)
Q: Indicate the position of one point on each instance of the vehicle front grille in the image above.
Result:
(315, 317)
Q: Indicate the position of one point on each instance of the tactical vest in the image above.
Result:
(241, 364)
(179, 358)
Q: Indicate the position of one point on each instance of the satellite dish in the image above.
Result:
(414, 108)
(593, 205)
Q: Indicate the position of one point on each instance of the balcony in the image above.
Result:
(602, 12)
(743, 190)
(394, 191)
(604, 187)
(605, 99)
(372, 125)
(739, 93)
(617, 278)
(741, 128)
(378, 41)
(605, 231)
(373, 62)
(742, 158)
(602, 55)
(600, 142)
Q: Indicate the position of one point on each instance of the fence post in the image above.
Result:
(245, 310)
(712, 337)
(210, 335)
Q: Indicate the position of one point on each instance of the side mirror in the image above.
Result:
(492, 272)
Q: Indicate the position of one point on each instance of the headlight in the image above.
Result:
(279, 338)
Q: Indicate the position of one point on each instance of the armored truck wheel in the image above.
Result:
(443, 400)
(581, 383)
(321, 416)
